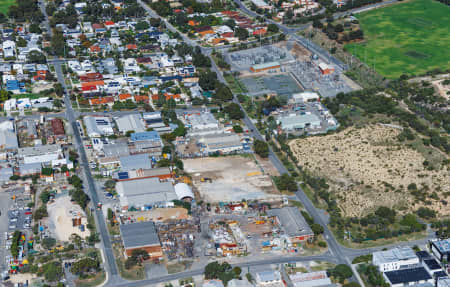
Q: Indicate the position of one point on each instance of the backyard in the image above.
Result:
(406, 38)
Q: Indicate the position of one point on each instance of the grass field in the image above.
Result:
(4, 5)
(406, 38)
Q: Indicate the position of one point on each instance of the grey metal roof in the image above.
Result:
(292, 220)
(5, 173)
(145, 192)
(117, 149)
(139, 234)
(8, 140)
(131, 122)
(39, 150)
(134, 162)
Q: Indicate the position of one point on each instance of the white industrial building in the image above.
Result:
(221, 143)
(98, 126)
(305, 97)
(146, 192)
(395, 259)
(40, 154)
(295, 122)
(131, 122)
(202, 124)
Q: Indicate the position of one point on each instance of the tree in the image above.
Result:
(40, 213)
(241, 33)
(34, 28)
(207, 80)
(272, 28)
(48, 243)
(286, 182)
(129, 133)
(425, 212)
(223, 93)
(59, 90)
(339, 28)
(45, 196)
(36, 57)
(58, 43)
(237, 129)
(261, 148)
(342, 272)
(234, 111)
(52, 271)
(4, 95)
(224, 272)
(85, 265)
(386, 213)
(317, 228)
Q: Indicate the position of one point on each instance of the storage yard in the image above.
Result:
(369, 167)
(230, 178)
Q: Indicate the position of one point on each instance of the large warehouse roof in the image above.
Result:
(292, 220)
(140, 234)
(145, 192)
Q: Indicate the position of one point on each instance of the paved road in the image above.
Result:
(110, 263)
(191, 273)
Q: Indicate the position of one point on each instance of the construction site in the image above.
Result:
(230, 179)
(287, 68)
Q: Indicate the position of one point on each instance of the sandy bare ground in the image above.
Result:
(60, 214)
(160, 214)
(362, 164)
(233, 178)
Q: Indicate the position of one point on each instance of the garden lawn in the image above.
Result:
(407, 38)
(4, 5)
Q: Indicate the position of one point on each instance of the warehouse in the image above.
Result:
(203, 123)
(221, 143)
(98, 126)
(131, 122)
(411, 276)
(146, 192)
(143, 236)
(40, 154)
(394, 259)
(296, 122)
(265, 67)
(135, 162)
(293, 223)
(305, 97)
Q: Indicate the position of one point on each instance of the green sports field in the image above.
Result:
(4, 5)
(407, 38)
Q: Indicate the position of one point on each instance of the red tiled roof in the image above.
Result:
(101, 101)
